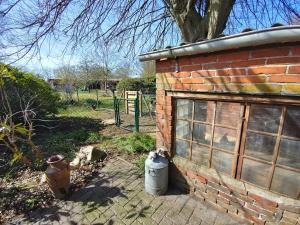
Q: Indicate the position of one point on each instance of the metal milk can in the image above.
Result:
(156, 174)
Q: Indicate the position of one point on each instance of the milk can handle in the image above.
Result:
(152, 172)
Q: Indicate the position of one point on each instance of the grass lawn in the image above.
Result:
(79, 111)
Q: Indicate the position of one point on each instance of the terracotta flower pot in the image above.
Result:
(58, 176)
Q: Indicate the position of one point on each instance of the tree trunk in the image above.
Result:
(193, 26)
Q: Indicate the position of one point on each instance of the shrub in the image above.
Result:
(145, 84)
(23, 97)
(29, 88)
(136, 143)
(149, 84)
(130, 84)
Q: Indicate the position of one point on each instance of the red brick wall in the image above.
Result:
(257, 70)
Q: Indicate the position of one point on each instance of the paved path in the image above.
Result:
(117, 197)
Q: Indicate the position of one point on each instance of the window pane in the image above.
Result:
(228, 113)
(202, 133)
(204, 111)
(286, 182)
(260, 146)
(183, 129)
(222, 161)
(256, 172)
(224, 138)
(200, 154)
(264, 118)
(289, 153)
(292, 122)
(184, 109)
(182, 148)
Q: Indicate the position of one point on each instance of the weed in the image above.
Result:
(9, 176)
(140, 163)
(135, 143)
(94, 137)
(32, 202)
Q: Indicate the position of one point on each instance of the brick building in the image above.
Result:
(228, 111)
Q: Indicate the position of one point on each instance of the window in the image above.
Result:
(257, 143)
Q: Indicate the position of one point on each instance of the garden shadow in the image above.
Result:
(65, 135)
(80, 205)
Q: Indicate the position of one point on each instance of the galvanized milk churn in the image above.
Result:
(156, 173)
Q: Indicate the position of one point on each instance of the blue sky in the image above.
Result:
(56, 52)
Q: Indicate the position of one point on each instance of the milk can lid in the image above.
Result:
(158, 162)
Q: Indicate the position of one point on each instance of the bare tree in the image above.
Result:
(27, 25)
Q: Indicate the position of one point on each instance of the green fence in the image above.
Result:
(101, 105)
(141, 118)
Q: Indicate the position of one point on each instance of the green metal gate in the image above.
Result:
(117, 102)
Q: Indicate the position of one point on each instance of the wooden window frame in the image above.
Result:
(239, 151)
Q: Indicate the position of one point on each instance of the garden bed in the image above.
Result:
(20, 189)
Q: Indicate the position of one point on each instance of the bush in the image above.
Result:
(130, 84)
(29, 88)
(136, 143)
(145, 84)
(149, 84)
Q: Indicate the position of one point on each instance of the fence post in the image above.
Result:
(140, 95)
(136, 114)
(115, 108)
(97, 98)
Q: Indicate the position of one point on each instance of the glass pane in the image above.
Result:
(182, 148)
(225, 138)
(286, 182)
(200, 154)
(228, 113)
(184, 109)
(222, 161)
(204, 111)
(289, 153)
(202, 133)
(260, 146)
(292, 122)
(256, 172)
(183, 129)
(264, 118)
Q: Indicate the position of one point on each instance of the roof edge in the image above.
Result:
(283, 34)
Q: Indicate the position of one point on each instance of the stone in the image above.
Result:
(75, 163)
(92, 154)
(43, 179)
(108, 122)
(86, 155)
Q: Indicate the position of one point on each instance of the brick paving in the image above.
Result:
(117, 197)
